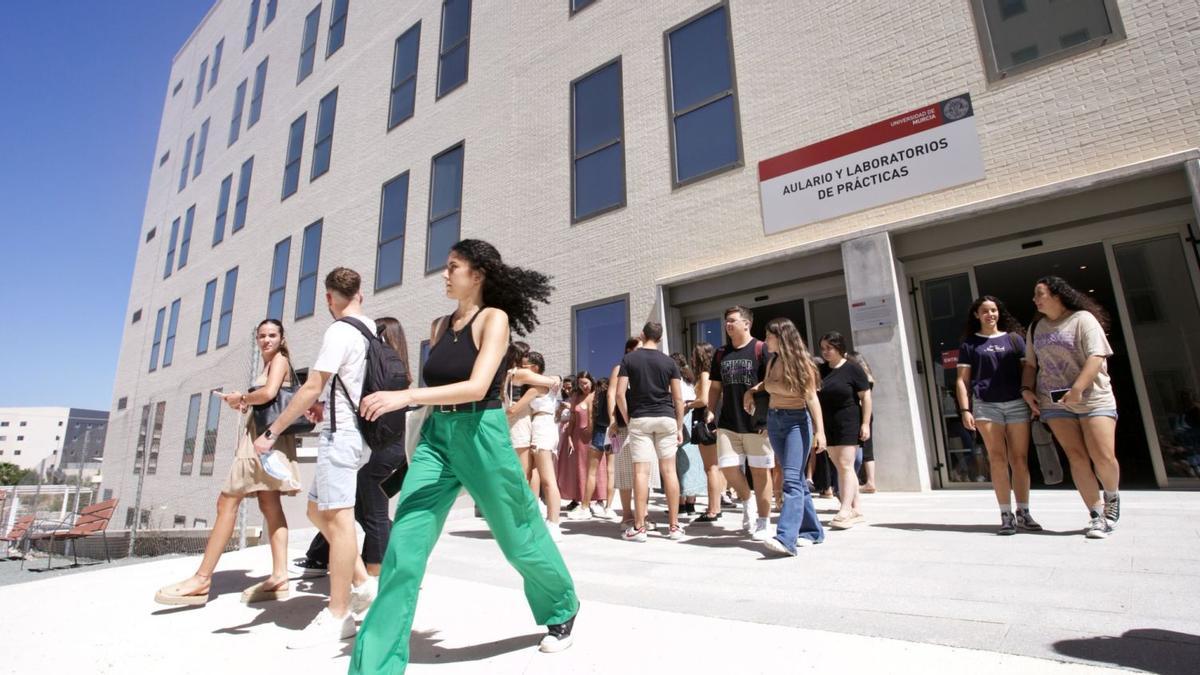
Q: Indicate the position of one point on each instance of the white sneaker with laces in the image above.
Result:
(762, 530)
(361, 597)
(555, 532)
(325, 628)
(597, 510)
(675, 533)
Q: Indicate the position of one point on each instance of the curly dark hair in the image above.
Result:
(1075, 299)
(511, 289)
(1007, 321)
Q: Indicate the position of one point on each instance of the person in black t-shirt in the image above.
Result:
(846, 406)
(655, 412)
(736, 369)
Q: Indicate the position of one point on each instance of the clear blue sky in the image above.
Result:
(83, 85)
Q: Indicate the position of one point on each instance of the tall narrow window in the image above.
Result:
(598, 331)
(243, 195)
(187, 161)
(225, 320)
(445, 207)
(189, 435)
(172, 326)
(200, 82)
(323, 146)
(256, 99)
(239, 104)
(251, 24)
(308, 44)
(577, 5)
(454, 51)
(272, 7)
(597, 142)
(206, 314)
(200, 148)
(156, 438)
(139, 456)
(310, 257)
(170, 266)
(222, 210)
(404, 76)
(185, 244)
(279, 268)
(393, 213)
(337, 27)
(216, 63)
(291, 162)
(157, 344)
(705, 135)
(211, 420)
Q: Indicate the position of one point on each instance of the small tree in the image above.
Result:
(11, 474)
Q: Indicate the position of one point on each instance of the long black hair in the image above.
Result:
(511, 289)
(1075, 299)
(1007, 322)
(391, 332)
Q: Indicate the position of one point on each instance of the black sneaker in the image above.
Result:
(1008, 524)
(307, 567)
(1112, 509)
(1026, 521)
(558, 636)
(707, 518)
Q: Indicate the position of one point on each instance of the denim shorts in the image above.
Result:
(1007, 412)
(600, 441)
(1064, 414)
(339, 456)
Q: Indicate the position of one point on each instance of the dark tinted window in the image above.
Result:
(206, 315)
(200, 82)
(172, 325)
(337, 26)
(599, 336)
(216, 63)
(251, 24)
(243, 195)
(174, 239)
(308, 44)
(185, 244)
(598, 153)
(310, 257)
(157, 343)
(445, 206)
(256, 100)
(291, 162)
(189, 435)
(455, 45)
(201, 146)
(393, 212)
(1019, 35)
(239, 103)
(279, 269)
(323, 146)
(225, 321)
(187, 159)
(222, 210)
(404, 76)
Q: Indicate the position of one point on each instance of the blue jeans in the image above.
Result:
(790, 432)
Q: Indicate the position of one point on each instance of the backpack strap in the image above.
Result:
(337, 380)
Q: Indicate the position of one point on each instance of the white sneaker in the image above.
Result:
(611, 515)
(762, 530)
(555, 532)
(749, 514)
(361, 597)
(597, 510)
(542, 508)
(775, 546)
(325, 628)
(578, 513)
(675, 533)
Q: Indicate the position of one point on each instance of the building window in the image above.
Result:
(404, 76)
(122, 402)
(200, 147)
(272, 7)
(222, 210)
(337, 27)
(170, 266)
(200, 522)
(150, 235)
(251, 24)
(180, 521)
(256, 99)
(445, 207)
(189, 435)
(139, 456)
(137, 316)
(172, 325)
(235, 122)
(455, 45)
(578, 5)
(705, 135)
(206, 313)
(291, 162)
(19, 438)
(216, 63)
(279, 268)
(178, 86)
(1016, 36)
(308, 44)
(323, 146)
(129, 516)
(310, 256)
(599, 330)
(243, 195)
(597, 142)
(187, 159)
(163, 160)
(156, 438)
(393, 213)
(186, 243)
(225, 320)
(212, 418)
(200, 82)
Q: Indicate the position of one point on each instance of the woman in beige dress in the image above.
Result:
(247, 477)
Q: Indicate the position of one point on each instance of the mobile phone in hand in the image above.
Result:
(1057, 395)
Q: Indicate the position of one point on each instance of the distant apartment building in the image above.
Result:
(53, 437)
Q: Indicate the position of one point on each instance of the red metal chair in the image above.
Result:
(92, 519)
(19, 531)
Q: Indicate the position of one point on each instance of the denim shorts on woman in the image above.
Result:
(1008, 412)
(1064, 414)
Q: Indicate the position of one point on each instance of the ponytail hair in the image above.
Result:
(283, 346)
(514, 290)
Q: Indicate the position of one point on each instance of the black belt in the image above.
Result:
(467, 407)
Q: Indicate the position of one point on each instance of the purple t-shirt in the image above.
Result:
(995, 366)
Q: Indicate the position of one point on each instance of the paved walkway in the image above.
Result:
(927, 585)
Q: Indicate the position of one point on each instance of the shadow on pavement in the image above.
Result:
(292, 614)
(424, 648)
(969, 529)
(1151, 649)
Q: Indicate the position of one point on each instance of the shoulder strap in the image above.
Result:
(759, 347)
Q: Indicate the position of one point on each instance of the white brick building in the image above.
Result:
(1088, 138)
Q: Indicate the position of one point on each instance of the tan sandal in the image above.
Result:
(259, 592)
(174, 595)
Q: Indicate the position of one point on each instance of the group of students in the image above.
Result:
(497, 425)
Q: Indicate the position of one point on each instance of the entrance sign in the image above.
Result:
(926, 150)
(873, 312)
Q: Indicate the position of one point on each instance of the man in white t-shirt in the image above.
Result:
(340, 365)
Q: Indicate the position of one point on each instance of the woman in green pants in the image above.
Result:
(465, 443)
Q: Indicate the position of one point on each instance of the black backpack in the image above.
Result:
(384, 372)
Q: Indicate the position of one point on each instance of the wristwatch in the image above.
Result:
(268, 434)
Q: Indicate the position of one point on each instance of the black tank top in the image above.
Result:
(453, 358)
